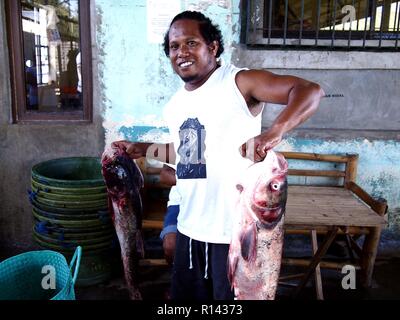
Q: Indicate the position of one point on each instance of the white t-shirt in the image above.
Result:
(208, 125)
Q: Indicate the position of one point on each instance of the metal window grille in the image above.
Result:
(322, 24)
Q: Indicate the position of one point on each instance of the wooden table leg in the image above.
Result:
(369, 252)
(330, 236)
(318, 279)
(371, 243)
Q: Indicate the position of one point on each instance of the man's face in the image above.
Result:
(191, 57)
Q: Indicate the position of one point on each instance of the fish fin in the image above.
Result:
(140, 244)
(232, 264)
(248, 243)
(282, 163)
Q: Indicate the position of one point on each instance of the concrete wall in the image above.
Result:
(133, 80)
(22, 146)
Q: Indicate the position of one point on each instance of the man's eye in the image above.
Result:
(192, 43)
(173, 47)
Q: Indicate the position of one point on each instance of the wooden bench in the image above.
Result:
(325, 201)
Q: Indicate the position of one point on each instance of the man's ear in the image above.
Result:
(213, 46)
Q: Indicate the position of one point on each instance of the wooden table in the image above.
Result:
(333, 210)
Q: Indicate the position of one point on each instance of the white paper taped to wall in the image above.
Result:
(159, 15)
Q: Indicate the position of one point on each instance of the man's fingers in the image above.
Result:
(119, 145)
(261, 151)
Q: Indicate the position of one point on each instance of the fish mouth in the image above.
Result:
(268, 216)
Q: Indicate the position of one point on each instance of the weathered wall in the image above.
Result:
(360, 116)
(22, 146)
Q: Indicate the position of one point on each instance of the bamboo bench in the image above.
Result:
(324, 201)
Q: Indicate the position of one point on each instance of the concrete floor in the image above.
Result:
(386, 279)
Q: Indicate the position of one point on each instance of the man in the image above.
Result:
(215, 125)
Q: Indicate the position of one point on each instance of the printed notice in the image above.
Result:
(159, 15)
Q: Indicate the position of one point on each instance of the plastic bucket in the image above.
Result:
(39, 275)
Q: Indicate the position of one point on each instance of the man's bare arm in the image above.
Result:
(300, 96)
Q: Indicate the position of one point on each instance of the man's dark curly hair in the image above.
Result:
(208, 30)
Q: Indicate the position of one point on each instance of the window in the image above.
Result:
(333, 24)
(50, 59)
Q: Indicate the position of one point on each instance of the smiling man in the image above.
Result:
(215, 126)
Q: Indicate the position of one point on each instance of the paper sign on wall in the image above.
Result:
(159, 15)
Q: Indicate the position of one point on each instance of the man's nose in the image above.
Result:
(183, 50)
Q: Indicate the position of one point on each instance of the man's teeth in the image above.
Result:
(186, 64)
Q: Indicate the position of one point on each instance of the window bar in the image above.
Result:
(286, 19)
(334, 23)
(358, 10)
(365, 22)
(398, 26)
(248, 14)
(351, 23)
(270, 21)
(373, 17)
(301, 22)
(254, 18)
(396, 16)
(381, 26)
(318, 16)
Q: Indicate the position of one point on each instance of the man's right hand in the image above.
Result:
(134, 150)
(169, 242)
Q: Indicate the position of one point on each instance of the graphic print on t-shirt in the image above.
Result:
(192, 164)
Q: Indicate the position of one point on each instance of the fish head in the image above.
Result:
(264, 190)
(118, 180)
(114, 173)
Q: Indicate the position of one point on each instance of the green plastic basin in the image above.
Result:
(74, 172)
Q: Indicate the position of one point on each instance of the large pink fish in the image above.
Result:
(124, 180)
(255, 251)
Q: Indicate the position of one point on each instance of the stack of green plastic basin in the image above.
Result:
(69, 205)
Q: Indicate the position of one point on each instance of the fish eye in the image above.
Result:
(275, 186)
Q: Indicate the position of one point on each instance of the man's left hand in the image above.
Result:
(256, 148)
